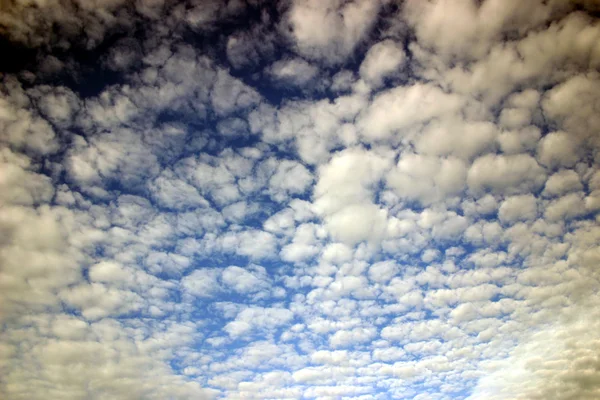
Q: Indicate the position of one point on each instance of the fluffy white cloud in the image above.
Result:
(260, 318)
(342, 27)
(418, 181)
(427, 179)
(562, 182)
(557, 149)
(344, 192)
(255, 244)
(244, 281)
(394, 111)
(455, 137)
(20, 186)
(566, 207)
(383, 271)
(382, 60)
(108, 271)
(202, 282)
(294, 72)
(22, 128)
(98, 301)
(176, 194)
(230, 94)
(573, 104)
(466, 30)
(290, 178)
(344, 338)
(506, 174)
(517, 208)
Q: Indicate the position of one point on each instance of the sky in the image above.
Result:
(302, 199)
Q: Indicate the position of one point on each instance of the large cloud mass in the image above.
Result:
(300, 199)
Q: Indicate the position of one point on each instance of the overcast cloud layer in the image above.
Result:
(311, 199)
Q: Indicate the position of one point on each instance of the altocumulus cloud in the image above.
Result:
(301, 199)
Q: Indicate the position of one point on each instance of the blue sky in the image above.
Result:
(300, 200)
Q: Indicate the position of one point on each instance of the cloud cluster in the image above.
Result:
(300, 200)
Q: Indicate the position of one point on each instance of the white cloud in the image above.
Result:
(518, 208)
(20, 186)
(255, 244)
(466, 30)
(342, 27)
(244, 281)
(172, 264)
(176, 194)
(293, 72)
(348, 286)
(337, 253)
(118, 155)
(427, 179)
(59, 104)
(383, 271)
(394, 111)
(96, 301)
(343, 195)
(108, 271)
(336, 391)
(304, 244)
(260, 318)
(557, 149)
(572, 104)
(202, 282)
(342, 81)
(506, 174)
(23, 129)
(519, 141)
(562, 182)
(566, 207)
(230, 94)
(358, 222)
(382, 60)
(336, 357)
(344, 338)
(455, 137)
(248, 48)
(290, 178)
(418, 181)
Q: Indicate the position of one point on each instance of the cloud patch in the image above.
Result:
(299, 199)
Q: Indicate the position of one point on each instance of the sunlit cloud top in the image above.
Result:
(300, 199)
